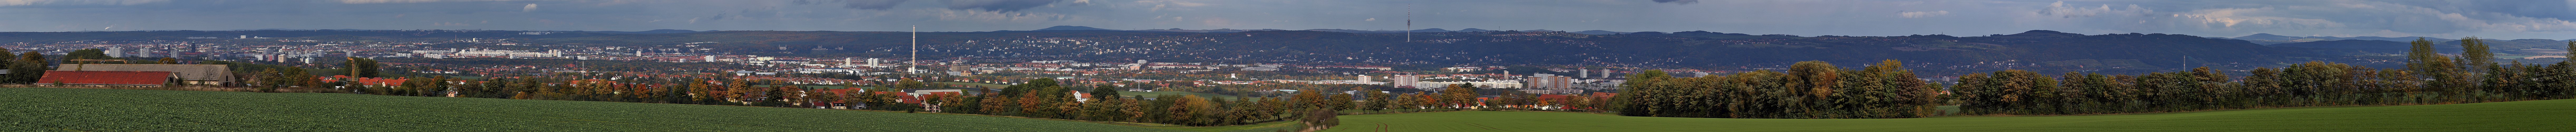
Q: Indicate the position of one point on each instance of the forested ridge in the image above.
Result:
(1814, 90)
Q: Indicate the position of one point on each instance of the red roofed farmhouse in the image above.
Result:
(106, 78)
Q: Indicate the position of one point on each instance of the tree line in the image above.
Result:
(1809, 90)
(2429, 78)
(1817, 90)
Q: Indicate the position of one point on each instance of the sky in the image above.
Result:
(2494, 19)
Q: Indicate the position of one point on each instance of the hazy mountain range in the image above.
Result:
(1592, 32)
(2268, 39)
(2397, 45)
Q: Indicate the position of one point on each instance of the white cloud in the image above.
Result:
(1219, 22)
(2060, 9)
(1160, 5)
(1921, 14)
(995, 16)
(529, 8)
(2229, 18)
(1370, 19)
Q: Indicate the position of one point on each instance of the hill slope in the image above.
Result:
(2544, 115)
(38, 109)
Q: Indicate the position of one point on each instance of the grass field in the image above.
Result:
(51, 109)
(2544, 115)
(1160, 93)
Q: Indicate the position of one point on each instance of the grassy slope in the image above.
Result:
(32, 109)
(2544, 115)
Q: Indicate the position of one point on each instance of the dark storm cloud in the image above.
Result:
(998, 5)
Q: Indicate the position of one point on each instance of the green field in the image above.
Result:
(2544, 115)
(51, 109)
(1160, 93)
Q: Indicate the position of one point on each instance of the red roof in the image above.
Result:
(106, 77)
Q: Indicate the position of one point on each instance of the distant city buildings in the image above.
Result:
(1381, 68)
(1404, 81)
(507, 54)
(1550, 81)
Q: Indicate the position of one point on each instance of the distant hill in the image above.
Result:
(1351, 31)
(1596, 32)
(655, 31)
(1206, 31)
(2266, 38)
(2045, 33)
(2366, 46)
(1592, 32)
(2502, 45)
(1069, 28)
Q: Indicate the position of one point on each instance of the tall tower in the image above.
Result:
(1408, 23)
(915, 59)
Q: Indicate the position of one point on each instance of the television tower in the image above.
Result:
(912, 64)
(1408, 23)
